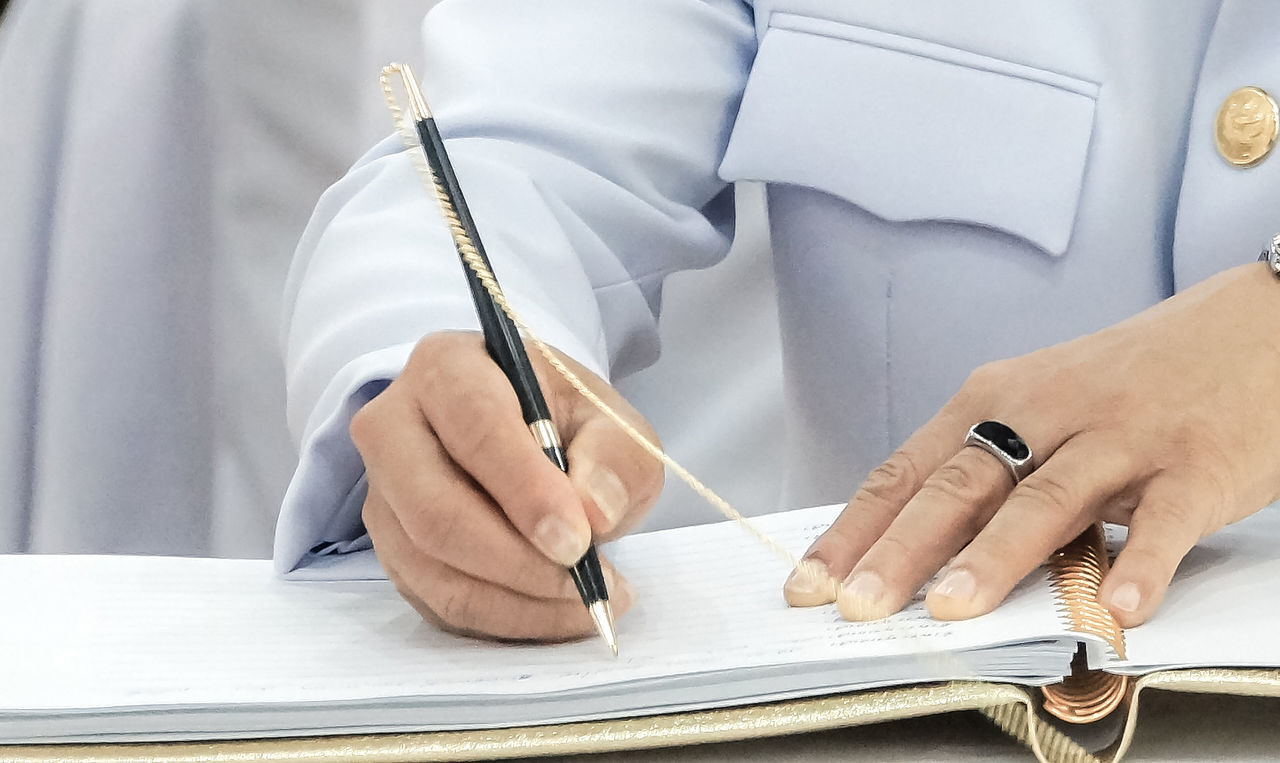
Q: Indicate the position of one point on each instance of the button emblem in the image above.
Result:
(1246, 127)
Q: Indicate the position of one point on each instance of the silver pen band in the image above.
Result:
(545, 433)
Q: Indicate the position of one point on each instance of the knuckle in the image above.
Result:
(432, 347)
(430, 524)
(892, 480)
(1050, 492)
(985, 376)
(365, 425)
(456, 609)
(980, 385)
(1149, 561)
(893, 546)
(1066, 376)
(1172, 514)
(406, 592)
(538, 577)
(437, 366)
(1127, 457)
(538, 497)
(994, 551)
(1220, 495)
(957, 481)
(403, 588)
(429, 376)
(411, 596)
(481, 432)
(436, 532)
(422, 369)
(830, 544)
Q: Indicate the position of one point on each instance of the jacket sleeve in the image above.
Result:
(586, 137)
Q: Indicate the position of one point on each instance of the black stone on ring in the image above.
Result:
(1003, 443)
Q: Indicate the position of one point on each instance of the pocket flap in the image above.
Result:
(911, 130)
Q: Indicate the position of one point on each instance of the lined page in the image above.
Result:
(130, 632)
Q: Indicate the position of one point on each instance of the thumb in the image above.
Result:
(615, 478)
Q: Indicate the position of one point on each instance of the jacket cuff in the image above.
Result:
(320, 534)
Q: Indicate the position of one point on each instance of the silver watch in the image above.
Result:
(1271, 255)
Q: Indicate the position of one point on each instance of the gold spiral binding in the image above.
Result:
(1076, 571)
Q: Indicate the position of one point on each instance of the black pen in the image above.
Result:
(504, 344)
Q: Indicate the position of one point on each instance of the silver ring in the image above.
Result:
(1002, 442)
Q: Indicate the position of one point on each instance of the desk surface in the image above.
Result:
(1173, 727)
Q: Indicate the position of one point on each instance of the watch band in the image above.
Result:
(1271, 255)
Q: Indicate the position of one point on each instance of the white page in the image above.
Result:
(726, 588)
(122, 632)
(1223, 606)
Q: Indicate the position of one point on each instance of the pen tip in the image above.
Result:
(602, 616)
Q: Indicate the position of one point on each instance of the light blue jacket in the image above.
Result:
(949, 183)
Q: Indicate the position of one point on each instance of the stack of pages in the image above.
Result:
(128, 648)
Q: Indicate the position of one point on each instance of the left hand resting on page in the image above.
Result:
(1168, 422)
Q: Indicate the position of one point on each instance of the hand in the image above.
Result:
(471, 521)
(1168, 422)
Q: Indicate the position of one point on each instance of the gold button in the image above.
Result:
(1246, 126)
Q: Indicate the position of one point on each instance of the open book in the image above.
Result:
(102, 649)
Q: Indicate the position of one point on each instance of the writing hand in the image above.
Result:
(470, 520)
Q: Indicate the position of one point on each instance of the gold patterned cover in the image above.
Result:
(1010, 707)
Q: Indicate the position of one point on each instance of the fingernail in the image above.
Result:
(1126, 597)
(861, 597)
(607, 490)
(809, 585)
(558, 542)
(957, 585)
